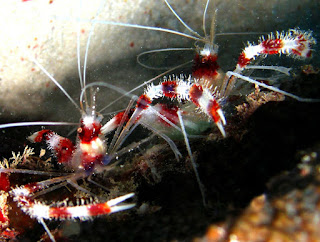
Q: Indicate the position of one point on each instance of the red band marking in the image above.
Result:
(89, 131)
(3, 218)
(64, 150)
(272, 46)
(169, 88)
(61, 212)
(309, 54)
(4, 182)
(205, 67)
(88, 161)
(296, 52)
(98, 209)
(119, 117)
(32, 187)
(242, 60)
(143, 102)
(170, 113)
(43, 135)
(213, 107)
(195, 93)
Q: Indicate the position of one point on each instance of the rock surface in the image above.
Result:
(47, 31)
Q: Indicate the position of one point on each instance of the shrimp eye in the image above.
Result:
(204, 59)
(79, 130)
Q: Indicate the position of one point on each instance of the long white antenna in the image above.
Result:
(248, 79)
(78, 46)
(87, 46)
(158, 51)
(194, 165)
(181, 21)
(55, 82)
(204, 18)
(22, 124)
(137, 26)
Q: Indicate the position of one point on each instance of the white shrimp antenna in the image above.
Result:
(198, 37)
(138, 26)
(82, 78)
(56, 83)
(102, 3)
(157, 51)
(78, 46)
(275, 89)
(213, 27)
(194, 165)
(40, 123)
(241, 33)
(204, 18)
(108, 85)
(181, 21)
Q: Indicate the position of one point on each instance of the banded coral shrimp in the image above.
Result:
(206, 70)
(63, 153)
(181, 225)
(248, 151)
(66, 152)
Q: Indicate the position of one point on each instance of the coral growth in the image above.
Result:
(289, 211)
